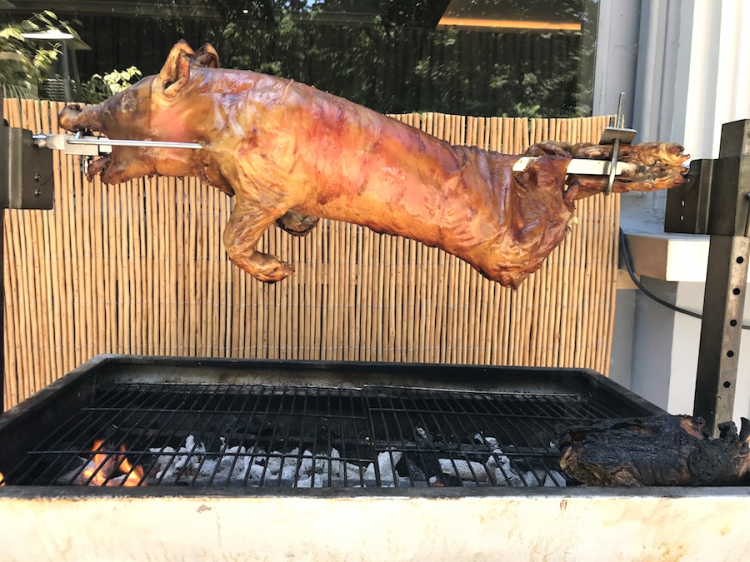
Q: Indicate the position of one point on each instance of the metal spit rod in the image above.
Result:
(97, 146)
(616, 134)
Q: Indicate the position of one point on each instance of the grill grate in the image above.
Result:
(258, 435)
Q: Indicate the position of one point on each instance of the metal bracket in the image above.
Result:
(616, 134)
(26, 172)
(688, 204)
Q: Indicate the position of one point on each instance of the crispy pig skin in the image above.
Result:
(290, 154)
(653, 451)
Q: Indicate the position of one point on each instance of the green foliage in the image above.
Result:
(99, 88)
(25, 63)
(393, 66)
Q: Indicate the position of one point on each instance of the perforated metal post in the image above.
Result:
(726, 277)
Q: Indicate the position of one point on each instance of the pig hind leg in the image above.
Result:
(243, 231)
(296, 223)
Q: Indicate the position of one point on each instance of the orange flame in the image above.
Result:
(2, 479)
(102, 463)
(135, 474)
(105, 469)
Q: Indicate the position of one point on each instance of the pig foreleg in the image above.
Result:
(243, 231)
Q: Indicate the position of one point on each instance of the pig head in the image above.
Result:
(290, 153)
(163, 107)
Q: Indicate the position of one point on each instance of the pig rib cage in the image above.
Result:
(257, 435)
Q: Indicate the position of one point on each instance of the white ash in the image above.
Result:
(304, 470)
(465, 470)
(506, 474)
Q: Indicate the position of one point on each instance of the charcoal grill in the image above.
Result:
(265, 459)
(135, 458)
(302, 424)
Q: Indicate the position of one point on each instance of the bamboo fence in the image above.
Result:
(140, 268)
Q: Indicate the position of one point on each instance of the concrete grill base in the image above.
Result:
(685, 525)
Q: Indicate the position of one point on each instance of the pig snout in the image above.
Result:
(75, 118)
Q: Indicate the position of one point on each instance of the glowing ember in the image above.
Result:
(111, 470)
(101, 464)
(134, 474)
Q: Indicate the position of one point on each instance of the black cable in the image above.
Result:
(645, 291)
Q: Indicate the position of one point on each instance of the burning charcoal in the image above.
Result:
(161, 460)
(655, 451)
(273, 463)
(505, 474)
(489, 441)
(336, 466)
(355, 474)
(541, 477)
(182, 463)
(232, 464)
(289, 466)
(306, 464)
(386, 467)
(109, 469)
(447, 480)
(554, 479)
(256, 471)
(407, 468)
(465, 470)
(534, 478)
(318, 481)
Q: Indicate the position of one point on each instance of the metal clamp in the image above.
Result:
(616, 134)
(26, 172)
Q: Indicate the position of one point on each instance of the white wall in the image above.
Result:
(692, 74)
(665, 349)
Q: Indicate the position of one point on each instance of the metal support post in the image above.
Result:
(721, 329)
(726, 278)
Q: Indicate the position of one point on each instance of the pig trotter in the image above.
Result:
(263, 267)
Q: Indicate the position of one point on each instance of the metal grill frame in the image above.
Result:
(30, 421)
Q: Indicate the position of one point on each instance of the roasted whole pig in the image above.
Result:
(655, 451)
(290, 153)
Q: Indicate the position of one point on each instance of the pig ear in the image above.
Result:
(206, 57)
(176, 71)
